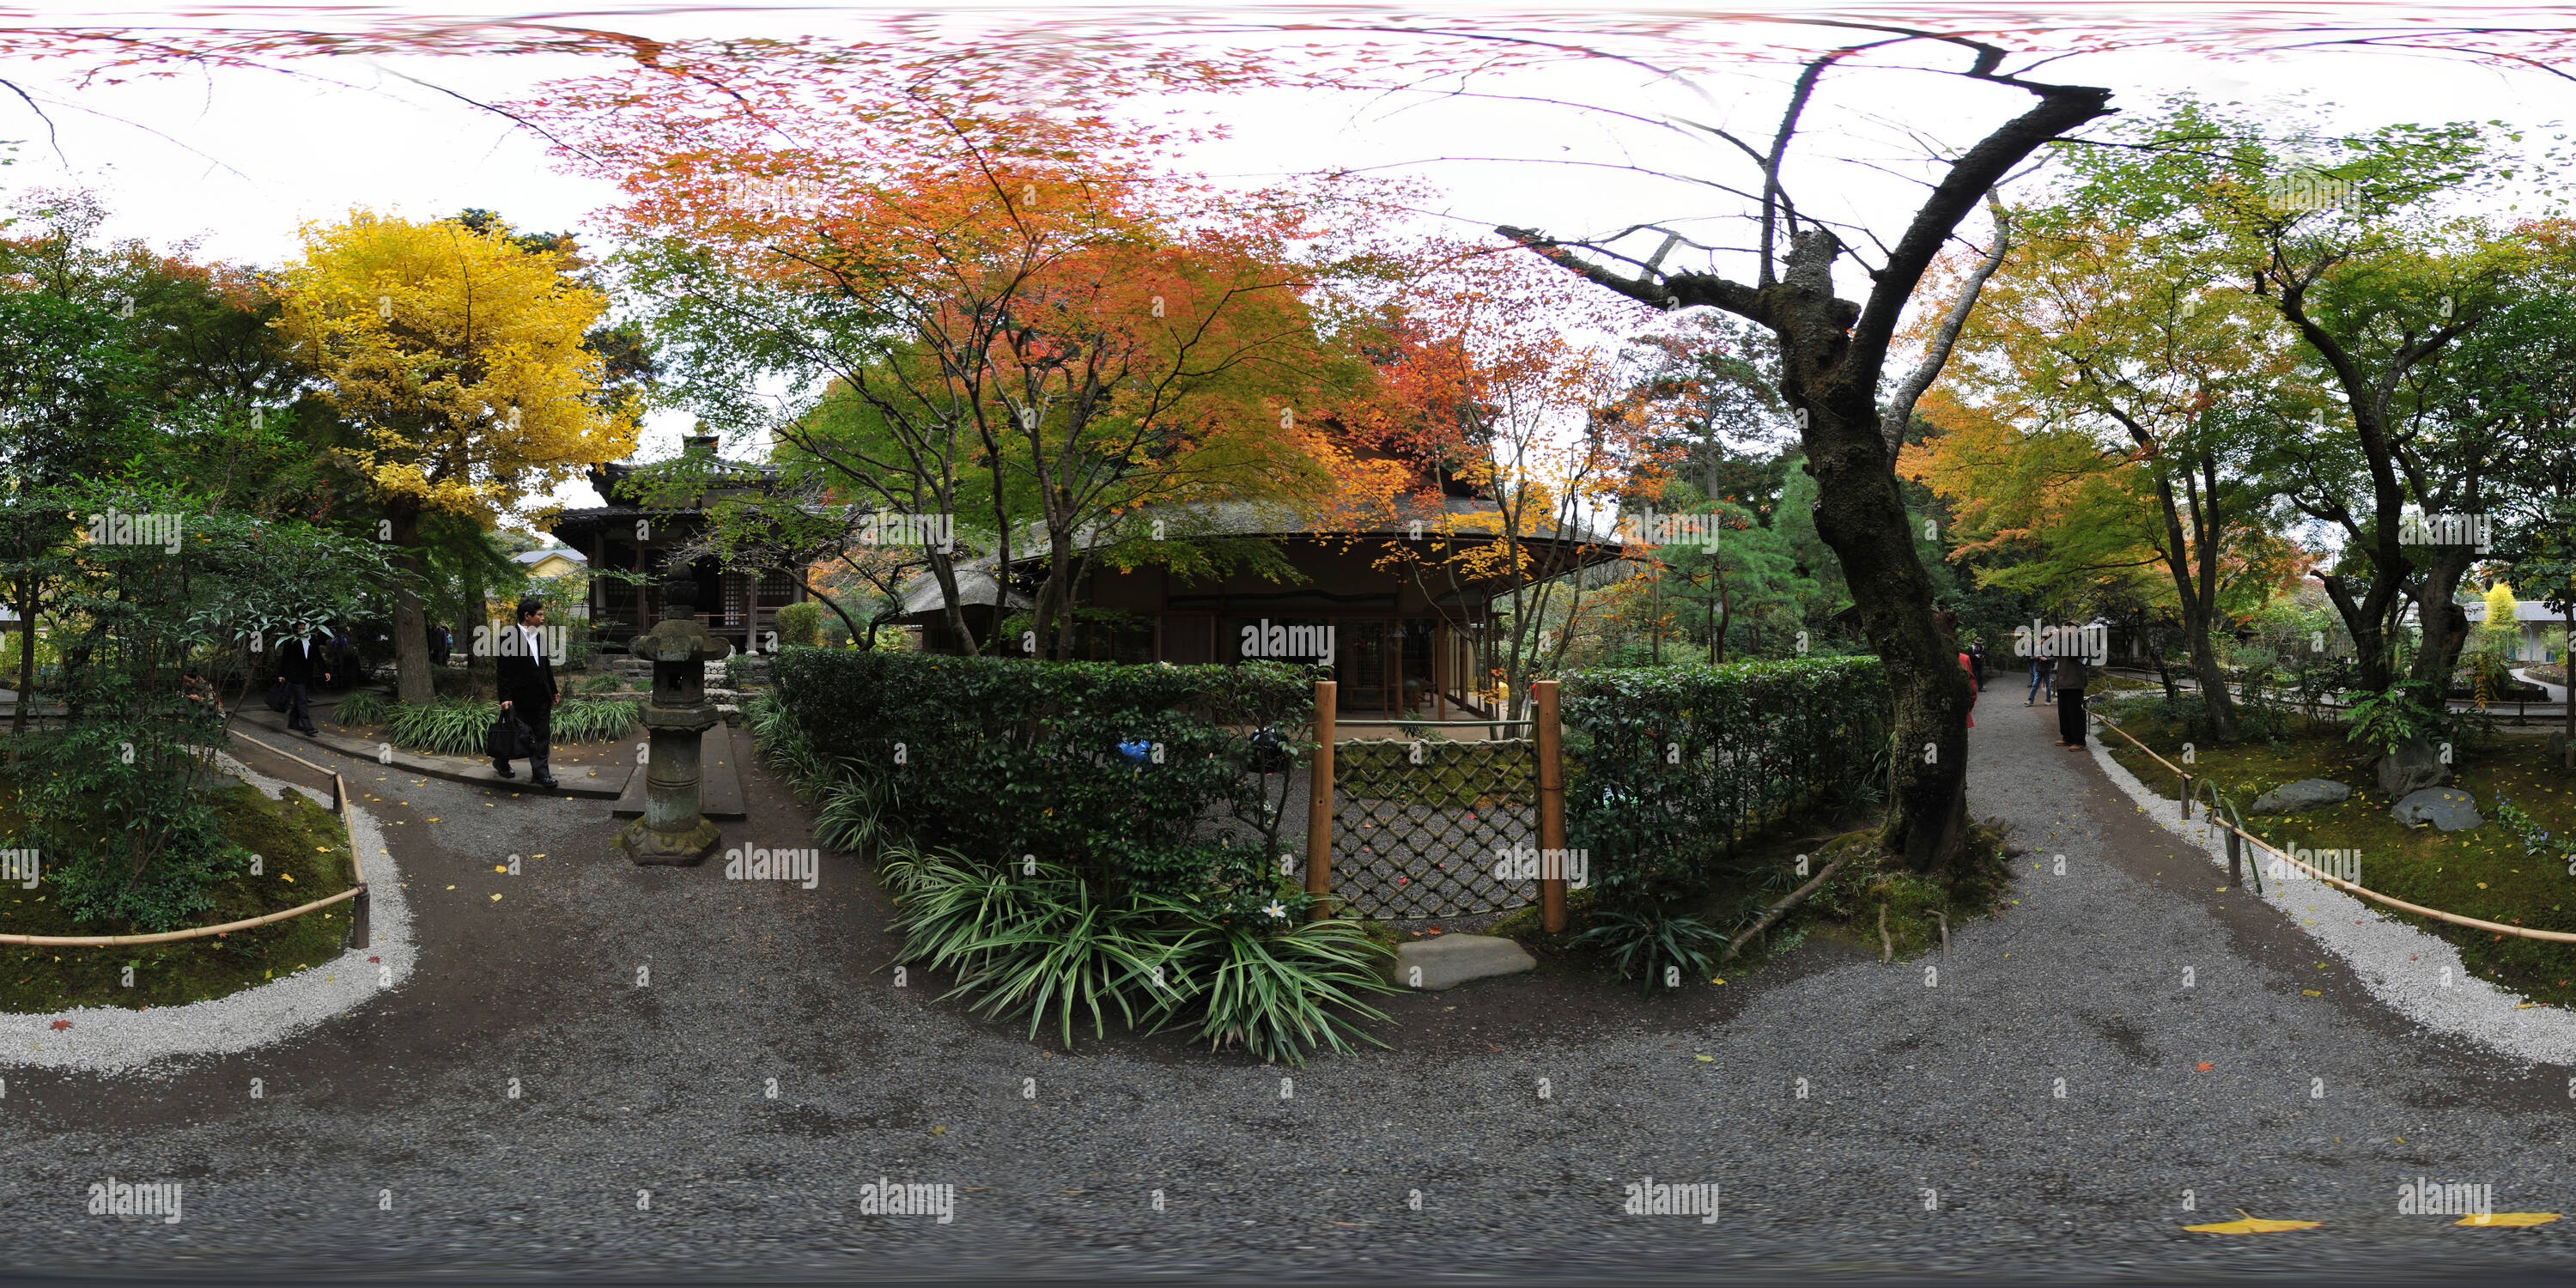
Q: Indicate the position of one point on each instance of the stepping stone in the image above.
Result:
(1454, 959)
(2449, 810)
(2307, 793)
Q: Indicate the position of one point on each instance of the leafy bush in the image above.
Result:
(1642, 944)
(600, 684)
(1668, 769)
(801, 623)
(1034, 940)
(124, 811)
(363, 707)
(1128, 775)
(2391, 719)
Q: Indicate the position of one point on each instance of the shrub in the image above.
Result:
(801, 623)
(363, 707)
(458, 726)
(1035, 940)
(1669, 768)
(599, 684)
(443, 726)
(1274, 991)
(590, 719)
(2391, 719)
(1642, 944)
(1128, 775)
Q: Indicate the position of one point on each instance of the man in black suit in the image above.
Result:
(298, 661)
(526, 678)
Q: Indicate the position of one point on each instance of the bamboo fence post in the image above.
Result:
(1551, 808)
(1319, 806)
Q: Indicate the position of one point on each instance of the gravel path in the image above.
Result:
(388, 1144)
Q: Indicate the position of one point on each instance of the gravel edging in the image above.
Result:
(2403, 967)
(109, 1039)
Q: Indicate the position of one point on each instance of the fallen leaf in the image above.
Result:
(1705, 1059)
(2251, 1224)
(2509, 1218)
(940, 1129)
(285, 876)
(60, 1025)
(2204, 1066)
(496, 898)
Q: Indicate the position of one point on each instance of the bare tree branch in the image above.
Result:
(1900, 407)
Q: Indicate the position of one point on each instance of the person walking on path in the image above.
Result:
(2072, 677)
(1947, 623)
(1977, 667)
(526, 679)
(298, 661)
(2043, 677)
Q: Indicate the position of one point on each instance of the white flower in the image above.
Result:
(1277, 910)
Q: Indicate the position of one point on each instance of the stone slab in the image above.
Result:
(2451, 811)
(2307, 793)
(1449, 960)
(719, 780)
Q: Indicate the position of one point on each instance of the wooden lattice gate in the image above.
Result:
(1409, 829)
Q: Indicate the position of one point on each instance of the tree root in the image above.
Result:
(1781, 909)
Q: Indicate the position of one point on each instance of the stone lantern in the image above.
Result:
(672, 830)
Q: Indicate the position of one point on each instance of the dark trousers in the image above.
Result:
(2070, 716)
(536, 715)
(298, 715)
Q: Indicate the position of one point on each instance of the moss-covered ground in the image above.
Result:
(2484, 872)
(305, 856)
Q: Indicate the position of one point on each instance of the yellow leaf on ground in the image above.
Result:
(2509, 1218)
(496, 898)
(2251, 1224)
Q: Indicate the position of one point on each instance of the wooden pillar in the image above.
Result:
(1319, 806)
(1551, 807)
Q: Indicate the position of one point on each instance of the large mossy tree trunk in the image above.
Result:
(411, 625)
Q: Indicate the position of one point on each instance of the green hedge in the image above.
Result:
(1668, 768)
(1002, 759)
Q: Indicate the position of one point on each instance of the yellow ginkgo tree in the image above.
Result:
(457, 357)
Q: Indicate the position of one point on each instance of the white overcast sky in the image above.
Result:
(237, 159)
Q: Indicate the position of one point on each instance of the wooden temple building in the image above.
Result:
(622, 536)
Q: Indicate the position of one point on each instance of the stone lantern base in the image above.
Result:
(669, 849)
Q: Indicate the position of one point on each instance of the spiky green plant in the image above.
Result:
(443, 726)
(1643, 945)
(590, 719)
(363, 707)
(1275, 991)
